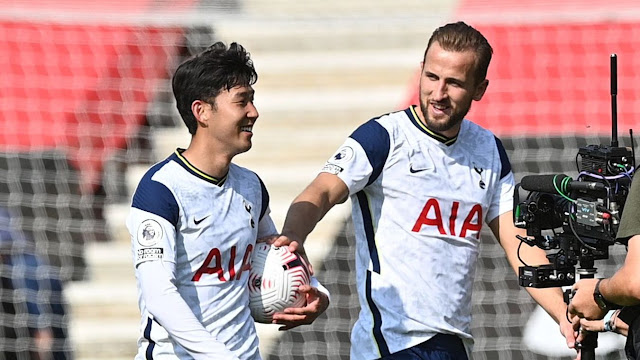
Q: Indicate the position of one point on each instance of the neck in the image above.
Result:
(208, 159)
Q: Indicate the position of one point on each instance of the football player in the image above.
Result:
(195, 218)
(422, 183)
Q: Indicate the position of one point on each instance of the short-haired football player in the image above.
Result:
(422, 183)
(195, 218)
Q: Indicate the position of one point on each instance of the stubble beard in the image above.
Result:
(441, 126)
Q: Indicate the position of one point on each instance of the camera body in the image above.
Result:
(579, 218)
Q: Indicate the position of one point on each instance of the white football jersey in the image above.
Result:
(419, 202)
(192, 238)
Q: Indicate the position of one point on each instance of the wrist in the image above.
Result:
(601, 301)
(609, 321)
(292, 236)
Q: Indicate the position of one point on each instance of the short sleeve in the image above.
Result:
(361, 158)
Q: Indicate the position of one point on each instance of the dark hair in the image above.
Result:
(205, 75)
(462, 37)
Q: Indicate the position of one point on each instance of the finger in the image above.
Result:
(569, 335)
(281, 240)
(592, 325)
(294, 246)
(582, 334)
(288, 326)
(309, 309)
(282, 318)
(308, 289)
(267, 239)
(575, 320)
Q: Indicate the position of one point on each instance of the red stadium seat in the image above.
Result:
(83, 88)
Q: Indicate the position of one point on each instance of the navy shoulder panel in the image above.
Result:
(155, 197)
(375, 141)
(504, 159)
(265, 198)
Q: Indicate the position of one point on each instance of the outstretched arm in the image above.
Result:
(305, 212)
(325, 191)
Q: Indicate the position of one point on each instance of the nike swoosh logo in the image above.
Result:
(413, 171)
(199, 221)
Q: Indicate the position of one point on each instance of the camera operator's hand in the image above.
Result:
(611, 322)
(567, 330)
(582, 302)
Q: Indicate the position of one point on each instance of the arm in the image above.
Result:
(325, 191)
(623, 288)
(152, 239)
(551, 299)
(171, 311)
(303, 215)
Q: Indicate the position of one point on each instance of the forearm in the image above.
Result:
(550, 299)
(171, 311)
(623, 288)
(302, 217)
(312, 204)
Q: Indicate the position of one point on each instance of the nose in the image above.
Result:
(253, 111)
(440, 91)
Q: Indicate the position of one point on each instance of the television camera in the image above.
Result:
(578, 217)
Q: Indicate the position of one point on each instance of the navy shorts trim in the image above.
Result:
(439, 347)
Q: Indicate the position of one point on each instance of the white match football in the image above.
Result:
(274, 279)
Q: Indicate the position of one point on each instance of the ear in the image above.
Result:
(198, 108)
(480, 89)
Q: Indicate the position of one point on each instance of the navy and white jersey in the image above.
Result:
(419, 203)
(192, 237)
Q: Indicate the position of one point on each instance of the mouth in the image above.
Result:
(247, 128)
(440, 108)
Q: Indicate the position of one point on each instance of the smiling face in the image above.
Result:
(447, 88)
(227, 123)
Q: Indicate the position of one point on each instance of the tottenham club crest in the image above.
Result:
(149, 233)
(247, 207)
(479, 170)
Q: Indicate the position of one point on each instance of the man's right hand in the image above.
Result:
(294, 246)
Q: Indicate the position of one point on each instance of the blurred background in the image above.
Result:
(86, 107)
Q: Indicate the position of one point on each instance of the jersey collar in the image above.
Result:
(193, 170)
(413, 116)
